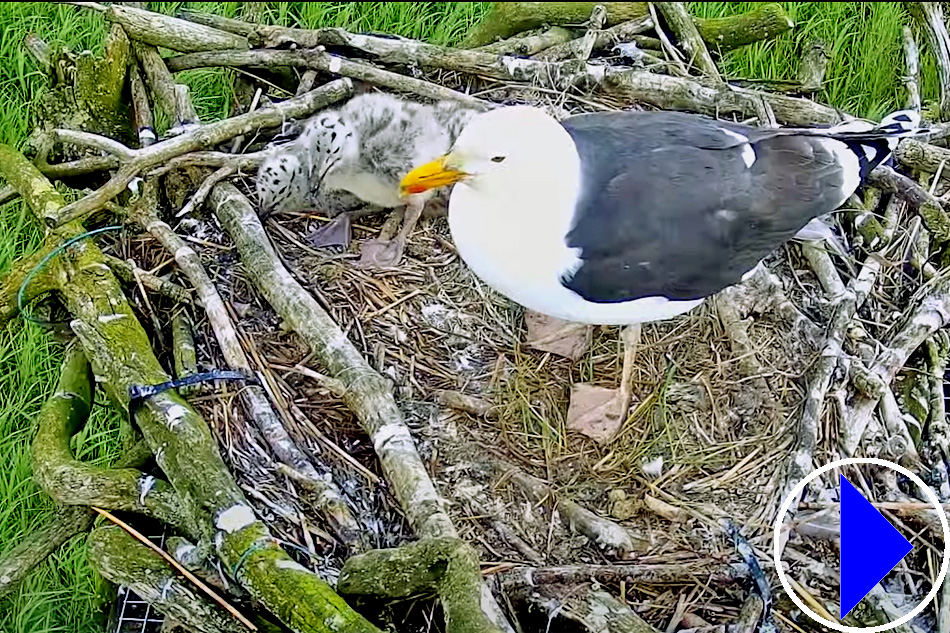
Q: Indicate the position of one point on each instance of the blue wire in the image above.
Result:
(59, 249)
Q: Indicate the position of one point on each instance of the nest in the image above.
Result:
(819, 356)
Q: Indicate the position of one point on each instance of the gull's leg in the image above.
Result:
(630, 335)
(388, 252)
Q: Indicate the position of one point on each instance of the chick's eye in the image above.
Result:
(497, 159)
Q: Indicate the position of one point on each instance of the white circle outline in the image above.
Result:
(796, 493)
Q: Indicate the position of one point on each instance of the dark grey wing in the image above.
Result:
(669, 206)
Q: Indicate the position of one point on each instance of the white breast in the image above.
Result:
(513, 238)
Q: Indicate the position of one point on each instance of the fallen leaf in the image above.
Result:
(593, 412)
(564, 338)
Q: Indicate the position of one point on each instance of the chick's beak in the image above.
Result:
(438, 173)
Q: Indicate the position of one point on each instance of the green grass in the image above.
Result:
(864, 79)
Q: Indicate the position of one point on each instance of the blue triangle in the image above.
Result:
(870, 547)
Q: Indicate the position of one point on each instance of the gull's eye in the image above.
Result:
(497, 159)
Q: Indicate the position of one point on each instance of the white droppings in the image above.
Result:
(235, 518)
(727, 215)
(135, 185)
(156, 224)
(146, 134)
(335, 65)
(109, 318)
(167, 588)
(176, 413)
(183, 552)
(288, 563)
(748, 155)
(66, 395)
(653, 468)
(389, 432)
(146, 485)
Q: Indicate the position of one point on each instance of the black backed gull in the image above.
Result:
(622, 218)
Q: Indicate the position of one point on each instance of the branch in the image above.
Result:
(607, 535)
(671, 93)
(932, 312)
(446, 566)
(199, 138)
(929, 16)
(317, 59)
(766, 21)
(923, 157)
(66, 522)
(531, 44)
(367, 393)
(166, 31)
(682, 26)
(41, 283)
(605, 39)
(929, 208)
(120, 352)
(329, 501)
(72, 482)
(648, 574)
(912, 69)
(130, 273)
(120, 558)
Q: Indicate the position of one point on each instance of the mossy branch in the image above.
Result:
(120, 352)
(72, 482)
(444, 566)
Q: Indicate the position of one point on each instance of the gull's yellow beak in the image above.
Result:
(429, 176)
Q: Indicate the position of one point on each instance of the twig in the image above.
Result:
(932, 312)
(317, 59)
(130, 273)
(607, 535)
(207, 184)
(650, 574)
(682, 25)
(201, 137)
(141, 109)
(463, 402)
(912, 69)
(604, 39)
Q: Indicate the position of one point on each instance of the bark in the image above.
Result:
(319, 60)
(366, 393)
(446, 566)
(183, 350)
(71, 482)
(119, 350)
(199, 138)
(507, 18)
(123, 560)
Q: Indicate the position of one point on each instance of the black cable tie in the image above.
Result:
(139, 393)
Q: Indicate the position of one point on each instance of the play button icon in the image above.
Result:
(870, 547)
